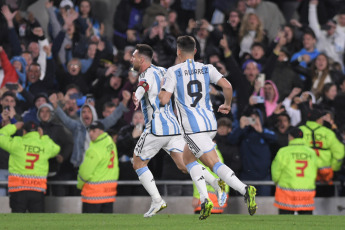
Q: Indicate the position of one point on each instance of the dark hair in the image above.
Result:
(259, 44)
(89, 15)
(109, 104)
(72, 86)
(9, 93)
(30, 126)
(310, 32)
(327, 87)
(145, 50)
(224, 121)
(284, 114)
(34, 64)
(186, 43)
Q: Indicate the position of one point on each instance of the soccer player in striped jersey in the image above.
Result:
(161, 129)
(189, 81)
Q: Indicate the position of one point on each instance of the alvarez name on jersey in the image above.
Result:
(190, 81)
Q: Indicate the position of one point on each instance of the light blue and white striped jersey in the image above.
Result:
(190, 82)
(159, 120)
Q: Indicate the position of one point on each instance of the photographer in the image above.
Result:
(254, 140)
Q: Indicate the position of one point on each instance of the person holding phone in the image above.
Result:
(254, 140)
(268, 96)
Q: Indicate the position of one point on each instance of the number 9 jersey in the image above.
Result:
(190, 81)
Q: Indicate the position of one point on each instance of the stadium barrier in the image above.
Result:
(176, 204)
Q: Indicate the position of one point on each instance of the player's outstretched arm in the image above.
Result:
(227, 91)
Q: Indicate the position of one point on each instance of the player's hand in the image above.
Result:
(224, 109)
(135, 101)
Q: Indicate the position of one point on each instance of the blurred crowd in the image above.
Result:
(284, 59)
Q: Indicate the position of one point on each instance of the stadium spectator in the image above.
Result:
(231, 28)
(79, 127)
(157, 7)
(326, 101)
(31, 114)
(38, 83)
(283, 75)
(127, 22)
(98, 174)
(251, 31)
(127, 138)
(59, 166)
(163, 43)
(294, 172)
(10, 74)
(270, 95)
(291, 107)
(231, 153)
(281, 128)
(309, 52)
(329, 41)
(254, 140)
(27, 184)
(269, 14)
(88, 22)
(339, 103)
(207, 37)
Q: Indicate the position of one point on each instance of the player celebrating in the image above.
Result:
(161, 129)
(190, 81)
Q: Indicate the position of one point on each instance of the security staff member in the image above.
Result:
(294, 171)
(99, 172)
(329, 150)
(28, 165)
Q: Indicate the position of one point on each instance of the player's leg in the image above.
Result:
(211, 160)
(208, 156)
(217, 184)
(196, 173)
(146, 148)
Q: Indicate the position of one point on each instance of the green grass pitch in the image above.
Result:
(167, 222)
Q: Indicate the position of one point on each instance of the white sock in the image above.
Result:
(227, 175)
(210, 179)
(196, 173)
(147, 180)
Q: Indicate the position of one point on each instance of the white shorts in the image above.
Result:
(149, 145)
(200, 143)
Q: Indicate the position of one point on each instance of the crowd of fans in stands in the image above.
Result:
(280, 66)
